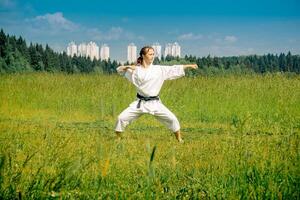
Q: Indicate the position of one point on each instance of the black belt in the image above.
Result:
(145, 99)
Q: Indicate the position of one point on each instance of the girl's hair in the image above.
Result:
(143, 51)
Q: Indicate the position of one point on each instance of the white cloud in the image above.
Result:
(95, 34)
(230, 38)
(54, 21)
(57, 30)
(190, 36)
(56, 24)
(217, 50)
(221, 39)
(114, 33)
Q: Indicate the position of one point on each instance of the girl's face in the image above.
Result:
(149, 56)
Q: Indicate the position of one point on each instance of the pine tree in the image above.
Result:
(3, 66)
(3, 43)
(282, 62)
(289, 62)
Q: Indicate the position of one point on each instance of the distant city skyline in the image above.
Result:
(202, 28)
(92, 51)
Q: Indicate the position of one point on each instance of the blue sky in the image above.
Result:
(218, 28)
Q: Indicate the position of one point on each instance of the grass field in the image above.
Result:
(241, 134)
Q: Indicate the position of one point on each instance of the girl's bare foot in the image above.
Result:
(178, 137)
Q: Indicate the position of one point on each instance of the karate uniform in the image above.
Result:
(148, 82)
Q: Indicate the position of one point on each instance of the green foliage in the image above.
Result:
(17, 57)
(241, 136)
(3, 66)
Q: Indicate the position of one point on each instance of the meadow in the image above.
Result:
(241, 135)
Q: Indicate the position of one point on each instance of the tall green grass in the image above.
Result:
(241, 139)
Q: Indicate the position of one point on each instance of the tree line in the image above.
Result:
(17, 56)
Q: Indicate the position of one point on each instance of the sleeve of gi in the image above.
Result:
(172, 72)
(128, 74)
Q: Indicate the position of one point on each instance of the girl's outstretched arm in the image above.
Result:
(193, 66)
(123, 68)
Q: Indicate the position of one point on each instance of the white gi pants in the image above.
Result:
(153, 107)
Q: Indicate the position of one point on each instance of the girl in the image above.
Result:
(148, 80)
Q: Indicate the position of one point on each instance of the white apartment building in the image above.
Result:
(104, 52)
(92, 51)
(131, 53)
(82, 50)
(176, 49)
(168, 49)
(157, 50)
(173, 49)
(72, 49)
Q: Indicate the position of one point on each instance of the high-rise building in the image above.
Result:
(131, 53)
(104, 52)
(72, 49)
(168, 49)
(82, 50)
(172, 49)
(92, 50)
(157, 50)
(176, 49)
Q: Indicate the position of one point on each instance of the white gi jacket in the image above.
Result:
(148, 81)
